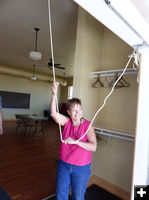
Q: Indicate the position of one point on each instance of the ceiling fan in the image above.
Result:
(50, 64)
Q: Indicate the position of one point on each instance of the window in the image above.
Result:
(70, 92)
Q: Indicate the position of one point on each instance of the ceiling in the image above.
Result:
(18, 18)
(143, 7)
(17, 36)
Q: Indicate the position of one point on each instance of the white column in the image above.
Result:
(140, 170)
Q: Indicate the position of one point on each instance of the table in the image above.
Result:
(30, 124)
(38, 122)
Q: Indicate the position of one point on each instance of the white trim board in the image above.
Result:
(100, 10)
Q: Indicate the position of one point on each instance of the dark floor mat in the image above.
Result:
(95, 193)
(52, 198)
(3, 194)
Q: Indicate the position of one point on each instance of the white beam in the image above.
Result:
(140, 170)
(100, 10)
(130, 13)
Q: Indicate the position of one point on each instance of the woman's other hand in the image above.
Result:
(69, 140)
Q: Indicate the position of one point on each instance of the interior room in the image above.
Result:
(81, 45)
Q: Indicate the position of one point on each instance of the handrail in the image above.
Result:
(115, 134)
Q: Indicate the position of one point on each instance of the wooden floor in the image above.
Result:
(27, 165)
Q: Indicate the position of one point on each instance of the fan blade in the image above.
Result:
(56, 65)
(50, 67)
(59, 67)
(51, 64)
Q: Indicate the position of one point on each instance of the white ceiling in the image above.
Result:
(17, 36)
(143, 7)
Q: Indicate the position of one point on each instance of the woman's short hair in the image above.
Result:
(72, 102)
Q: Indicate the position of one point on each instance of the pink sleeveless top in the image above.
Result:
(72, 153)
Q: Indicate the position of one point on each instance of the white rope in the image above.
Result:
(53, 68)
(106, 98)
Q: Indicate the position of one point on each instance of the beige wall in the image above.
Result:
(87, 57)
(113, 162)
(40, 94)
(120, 110)
(97, 48)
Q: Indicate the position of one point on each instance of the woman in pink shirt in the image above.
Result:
(75, 159)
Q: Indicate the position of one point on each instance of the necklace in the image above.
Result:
(74, 135)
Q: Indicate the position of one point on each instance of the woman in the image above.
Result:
(75, 159)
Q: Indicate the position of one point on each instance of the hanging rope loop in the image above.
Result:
(105, 100)
(53, 68)
(54, 79)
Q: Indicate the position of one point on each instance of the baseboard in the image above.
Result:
(114, 189)
(9, 120)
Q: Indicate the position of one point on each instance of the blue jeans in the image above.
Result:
(71, 175)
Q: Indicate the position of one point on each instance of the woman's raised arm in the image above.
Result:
(58, 118)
